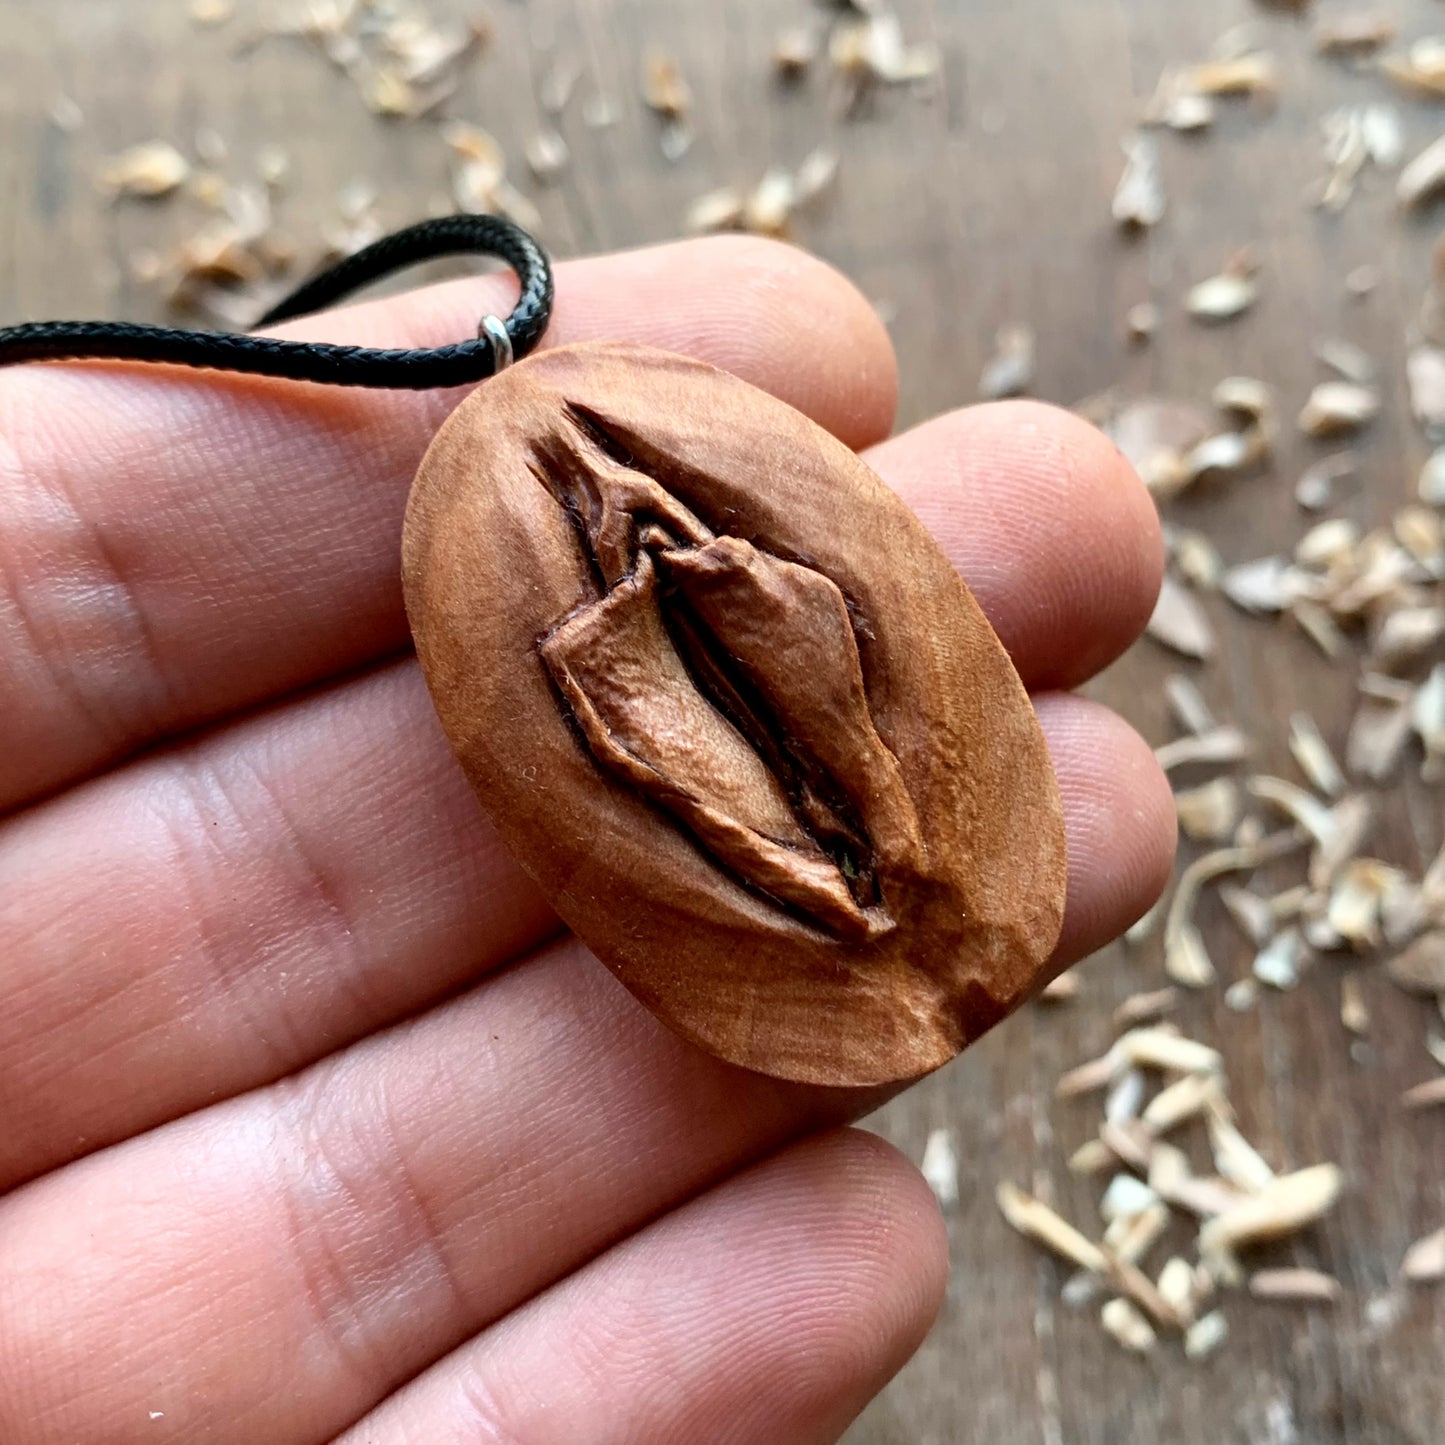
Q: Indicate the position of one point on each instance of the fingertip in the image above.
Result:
(1047, 522)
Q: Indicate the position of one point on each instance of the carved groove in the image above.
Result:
(723, 684)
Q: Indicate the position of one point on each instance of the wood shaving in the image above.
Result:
(1010, 370)
(794, 50)
(940, 1167)
(1141, 1008)
(210, 13)
(1287, 1204)
(1205, 1336)
(1031, 1217)
(1420, 968)
(1277, 964)
(1424, 1261)
(1139, 197)
(1420, 181)
(1180, 622)
(547, 155)
(1210, 812)
(1317, 482)
(1354, 1011)
(1127, 1325)
(1425, 374)
(1309, 1286)
(1421, 68)
(1161, 1049)
(1338, 407)
(1250, 75)
(1431, 485)
(1253, 914)
(1063, 989)
(1221, 297)
(151, 170)
(1312, 753)
(1235, 1158)
(1428, 1095)
(1186, 1098)
(1220, 746)
(719, 210)
(1354, 33)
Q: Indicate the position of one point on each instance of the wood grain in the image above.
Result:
(987, 205)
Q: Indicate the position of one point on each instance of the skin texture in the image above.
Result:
(315, 1121)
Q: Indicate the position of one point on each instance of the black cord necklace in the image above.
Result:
(496, 344)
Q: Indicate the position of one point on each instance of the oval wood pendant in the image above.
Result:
(729, 704)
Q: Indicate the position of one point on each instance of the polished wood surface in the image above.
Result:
(982, 205)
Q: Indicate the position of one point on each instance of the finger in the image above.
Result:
(177, 545)
(771, 1309)
(1120, 821)
(1048, 523)
(224, 913)
(402, 1195)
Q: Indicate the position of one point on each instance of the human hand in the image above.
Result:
(315, 1124)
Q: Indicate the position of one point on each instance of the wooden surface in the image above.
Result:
(985, 206)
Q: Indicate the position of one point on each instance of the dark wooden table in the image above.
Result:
(986, 204)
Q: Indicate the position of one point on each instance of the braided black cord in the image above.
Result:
(414, 370)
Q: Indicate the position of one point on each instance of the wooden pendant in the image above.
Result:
(729, 704)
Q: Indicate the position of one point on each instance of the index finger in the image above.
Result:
(176, 546)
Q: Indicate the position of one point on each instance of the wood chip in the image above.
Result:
(1205, 1335)
(718, 210)
(1354, 1011)
(1428, 1095)
(1184, 1099)
(1431, 485)
(151, 170)
(1277, 964)
(1338, 407)
(1235, 1157)
(1209, 812)
(1424, 1261)
(1252, 75)
(1253, 914)
(1140, 1008)
(1317, 482)
(1423, 177)
(1354, 33)
(1425, 374)
(1222, 297)
(794, 50)
(1139, 197)
(1129, 1238)
(1062, 989)
(1127, 1325)
(1286, 1205)
(1309, 1286)
(1180, 622)
(1031, 1217)
(940, 1167)
(1158, 1048)
(1218, 747)
(1313, 755)
(210, 13)
(1187, 704)
(1010, 370)
(1087, 1078)
(1420, 968)
(547, 155)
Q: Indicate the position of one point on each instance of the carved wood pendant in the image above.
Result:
(728, 703)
